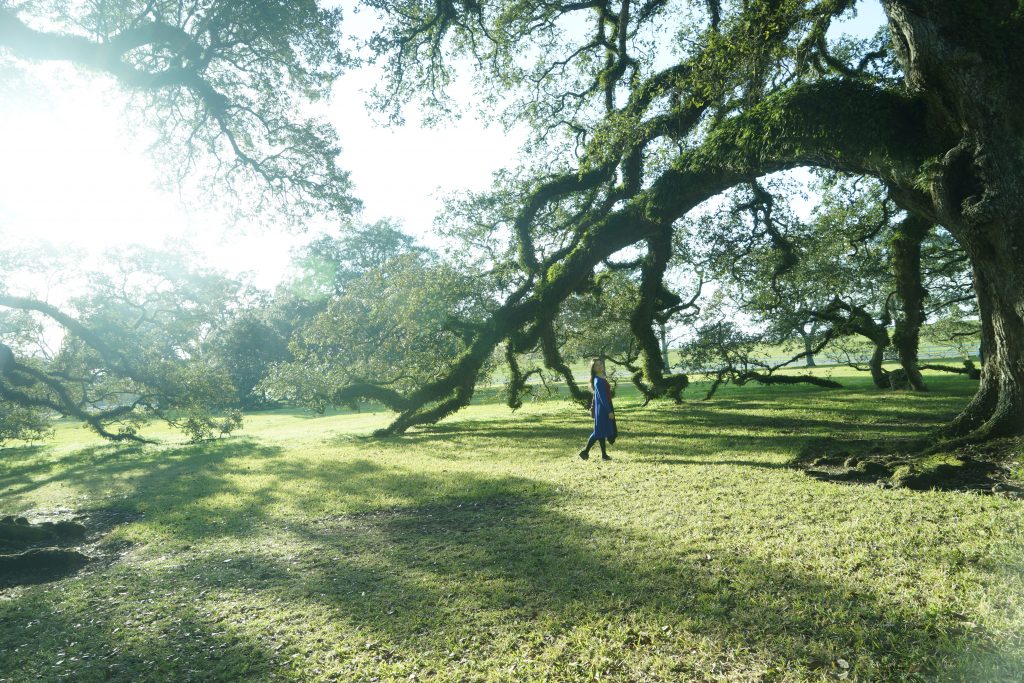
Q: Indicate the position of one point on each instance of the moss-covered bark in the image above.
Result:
(965, 61)
(655, 300)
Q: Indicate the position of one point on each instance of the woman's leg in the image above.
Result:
(585, 453)
(604, 452)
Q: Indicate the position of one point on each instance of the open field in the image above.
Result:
(482, 549)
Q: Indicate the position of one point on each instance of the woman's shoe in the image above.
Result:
(605, 456)
(583, 455)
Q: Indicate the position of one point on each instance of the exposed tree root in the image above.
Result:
(913, 464)
(48, 551)
(17, 533)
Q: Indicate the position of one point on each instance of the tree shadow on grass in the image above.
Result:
(22, 452)
(412, 566)
(845, 421)
(504, 551)
(734, 431)
(20, 474)
(494, 569)
(656, 434)
(115, 632)
(116, 487)
(704, 462)
(100, 470)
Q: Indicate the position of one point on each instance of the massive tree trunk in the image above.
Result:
(966, 59)
(998, 407)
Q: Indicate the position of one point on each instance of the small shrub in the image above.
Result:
(200, 426)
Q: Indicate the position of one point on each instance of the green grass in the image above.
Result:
(481, 549)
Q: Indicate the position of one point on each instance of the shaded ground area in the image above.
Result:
(45, 550)
(482, 549)
(992, 467)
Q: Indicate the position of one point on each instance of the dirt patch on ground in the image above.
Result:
(47, 545)
(994, 467)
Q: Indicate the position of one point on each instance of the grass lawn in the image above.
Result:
(482, 549)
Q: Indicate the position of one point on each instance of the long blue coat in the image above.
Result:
(603, 425)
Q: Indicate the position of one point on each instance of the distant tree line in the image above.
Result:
(149, 333)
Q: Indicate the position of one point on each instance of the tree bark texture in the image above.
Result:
(966, 60)
(879, 375)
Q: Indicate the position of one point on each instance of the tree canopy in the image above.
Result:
(643, 111)
(220, 82)
(130, 349)
(223, 86)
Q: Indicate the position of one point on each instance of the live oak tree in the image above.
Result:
(647, 109)
(892, 271)
(20, 423)
(329, 262)
(128, 350)
(860, 268)
(246, 347)
(774, 272)
(394, 327)
(221, 84)
(725, 353)
(639, 111)
(594, 323)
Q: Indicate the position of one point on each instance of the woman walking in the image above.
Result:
(602, 410)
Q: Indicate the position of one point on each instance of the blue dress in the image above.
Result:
(603, 425)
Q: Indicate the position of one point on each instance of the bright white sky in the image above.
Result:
(72, 173)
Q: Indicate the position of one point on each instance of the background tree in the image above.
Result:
(329, 262)
(18, 423)
(595, 323)
(246, 348)
(222, 85)
(393, 329)
(127, 351)
(723, 352)
(860, 271)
